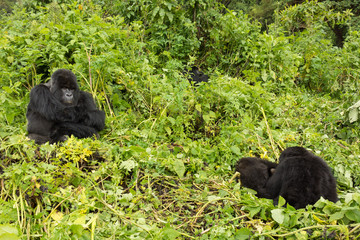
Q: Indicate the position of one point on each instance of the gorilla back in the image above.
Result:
(58, 109)
(301, 178)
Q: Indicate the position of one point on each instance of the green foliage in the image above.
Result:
(324, 68)
(163, 166)
(170, 30)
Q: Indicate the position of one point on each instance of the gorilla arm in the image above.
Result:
(91, 117)
(44, 103)
(91, 120)
(273, 185)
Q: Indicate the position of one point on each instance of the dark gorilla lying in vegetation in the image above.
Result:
(58, 109)
(301, 178)
(254, 173)
(195, 76)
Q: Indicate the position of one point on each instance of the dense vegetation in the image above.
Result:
(163, 167)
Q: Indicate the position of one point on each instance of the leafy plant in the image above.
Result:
(163, 166)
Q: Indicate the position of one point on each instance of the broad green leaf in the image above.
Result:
(170, 16)
(155, 11)
(281, 201)
(162, 13)
(171, 120)
(353, 115)
(80, 220)
(353, 215)
(45, 31)
(243, 233)
(168, 130)
(77, 229)
(57, 216)
(278, 215)
(8, 229)
(336, 216)
(198, 107)
(302, 235)
(253, 211)
(8, 236)
(235, 150)
(137, 149)
(179, 167)
(353, 112)
(10, 59)
(171, 233)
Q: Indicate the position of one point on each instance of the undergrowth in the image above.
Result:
(163, 166)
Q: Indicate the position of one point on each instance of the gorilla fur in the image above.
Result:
(301, 178)
(58, 109)
(195, 76)
(255, 172)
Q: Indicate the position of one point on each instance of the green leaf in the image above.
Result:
(198, 107)
(10, 59)
(8, 236)
(170, 16)
(171, 120)
(353, 215)
(278, 215)
(162, 13)
(253, 210)
(213, 198)
(128, 165)
(137, 149)
(243, 233)
(353, 115)
(155, 11)
(7, 89)
(168, 130)
(179, 167)
(77, 229)
(8, 232)
(170, 233)
(281, 201)
(235, 150)
(336, 216)
(45, 31)
(353, 112)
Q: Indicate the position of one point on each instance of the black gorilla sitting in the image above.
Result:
(301, 178)
(58, 109)
(195, 76)
(254, 173)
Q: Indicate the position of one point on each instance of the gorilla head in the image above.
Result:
(293, 152)
(63, 85)
(255, 172)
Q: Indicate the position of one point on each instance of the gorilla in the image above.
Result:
(301, 178)
(58, 109)
(195, 76)
(254, 173)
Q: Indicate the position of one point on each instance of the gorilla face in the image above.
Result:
(255, 172)
(67, 96)
(63, 85)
